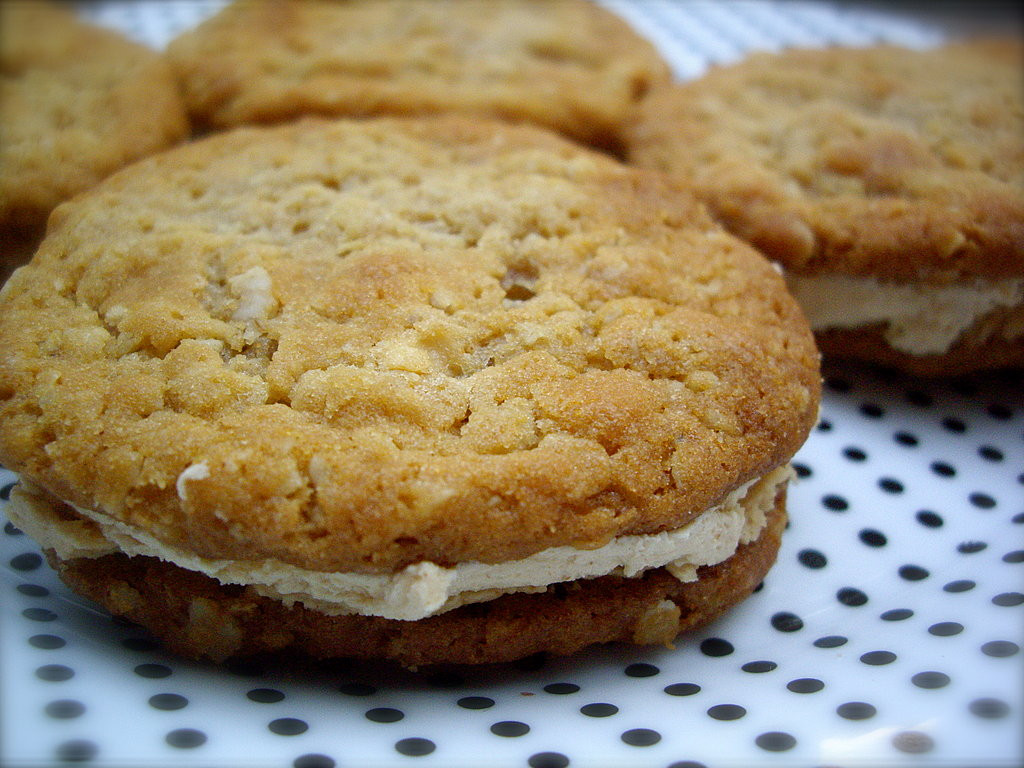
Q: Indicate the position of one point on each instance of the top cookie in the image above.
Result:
(569, 65)
(78, 102)
(359, 345)
(883, 161)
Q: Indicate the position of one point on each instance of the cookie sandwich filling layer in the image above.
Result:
(919, 319)
(425, 588)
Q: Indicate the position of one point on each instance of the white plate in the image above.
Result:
(888, 634)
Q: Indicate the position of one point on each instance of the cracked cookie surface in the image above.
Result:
(357, 345)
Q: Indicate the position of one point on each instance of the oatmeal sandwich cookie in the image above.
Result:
(77, 102)
(889, 183)
(569, 65)
(434, 389)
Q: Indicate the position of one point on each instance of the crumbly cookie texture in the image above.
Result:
(569, 65)
(901, 165)
(358, 345)
(79, 102)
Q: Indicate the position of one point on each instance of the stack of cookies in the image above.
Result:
(395, 358)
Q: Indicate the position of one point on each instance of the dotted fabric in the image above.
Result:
(888, 634)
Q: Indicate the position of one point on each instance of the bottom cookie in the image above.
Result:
(196, 616)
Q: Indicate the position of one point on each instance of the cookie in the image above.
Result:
(889, 184)
(403, 378)
(569, 65)
(77, 102)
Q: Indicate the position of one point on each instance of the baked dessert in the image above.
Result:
(430, 389)
(569, 65)
(76, 103)
(889, 184)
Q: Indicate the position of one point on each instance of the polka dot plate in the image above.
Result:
(888, 634)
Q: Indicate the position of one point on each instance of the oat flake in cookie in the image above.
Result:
(431, 390)
(77, 102)
(570, 65)
(888, 182)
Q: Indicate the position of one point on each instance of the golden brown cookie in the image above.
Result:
(77, 102)
(888, 182)
(392, 367)
(569, 65)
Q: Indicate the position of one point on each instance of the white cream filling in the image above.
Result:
(919, 319)
(424, 588)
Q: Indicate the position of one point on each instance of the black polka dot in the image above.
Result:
(682, 689)
(168, 702)
(5, 491)
(64, 709)
(784, 621)
(561, 689)
(599, 709)
(33, 590)
(265, 695)
(759, 667)
(314, 760)
(990, 453)
(641, 737)
(54, 673)
(872, 538)
(954, 424)
(981, 500)
(831, 641)
(946, 629)
(47, 642)
(878, 658)
(913, 573)
(919, 398)
(990, 709)
(1008, 599)
(154, 671)
(39, 614)
(1000, 649)
(872, 410)
(999, 411)
(970, 547)
(812, 558)
(854, 454)
(775, 741)
(905, 439)
(726, 712)
(835, 502)
(890, 485)
(641, 670)
(837, 384)
(384, 715)
(929, 519)
(913, 742)
(942, 469)
(414, 747)
(802, 470)
(287, 726)
(475, 702)
(687, 764)
(897, 614)
(26, 561)
(510, 728)
(142, 644)
(856, 710)
(851, 597)
(805, 685)
(357, 689)
(77, 751)
(185, 738)
(960, 585)
(716, 646)
(824, 426)
(1017, 556)
(547, 760)
(930, 680)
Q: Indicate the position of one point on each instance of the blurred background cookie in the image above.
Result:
(434, 389)
(77, 102)
(569, 65)
(888, 182)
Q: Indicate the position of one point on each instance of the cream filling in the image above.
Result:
(920, 319)
(424, 588)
